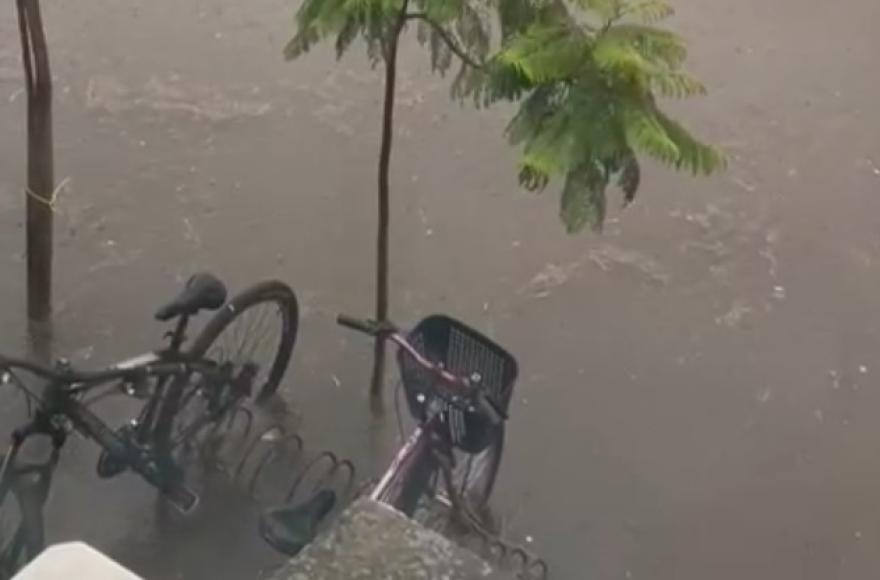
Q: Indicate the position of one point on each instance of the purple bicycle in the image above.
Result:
(458, 385)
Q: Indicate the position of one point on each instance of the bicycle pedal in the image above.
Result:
(182, 498)
(109, 466)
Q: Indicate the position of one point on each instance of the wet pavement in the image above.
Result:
(699, 385)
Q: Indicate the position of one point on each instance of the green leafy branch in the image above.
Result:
(588, 102)
(447, 38)
(586, 76)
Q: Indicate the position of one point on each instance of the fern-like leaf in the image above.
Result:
(583, 202)
(546, 54)
(346, 36)
(606, 9)
(654, 45)
(645, 132)
(549, 150)
(649, 11)
(676, 84)
(693, 155)
(532, 179)
(630, 178)
(441, 11)
(533, 112)
(473, 31)
(441, 55)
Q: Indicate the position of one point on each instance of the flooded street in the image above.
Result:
(700, 385)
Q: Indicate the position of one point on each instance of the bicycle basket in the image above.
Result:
(465, 352)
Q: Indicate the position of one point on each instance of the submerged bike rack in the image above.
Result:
(273, 467)
(467, 531)
(514, 558)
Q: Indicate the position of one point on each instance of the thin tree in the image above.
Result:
(585, 74)
(40, 159)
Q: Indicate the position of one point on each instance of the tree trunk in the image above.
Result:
(384, 209)
(40, 178)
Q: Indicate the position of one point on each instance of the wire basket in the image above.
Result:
(467, 353)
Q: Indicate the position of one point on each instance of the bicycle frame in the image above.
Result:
(58, 409)
(58, 406)
(412, 468)
(407, 457)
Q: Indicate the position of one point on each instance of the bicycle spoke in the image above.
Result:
(250, 317)
(258, 343)
(249, 336)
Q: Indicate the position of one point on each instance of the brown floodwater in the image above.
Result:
(699, 385)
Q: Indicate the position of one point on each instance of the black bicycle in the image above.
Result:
(458, 386)
(187, 393)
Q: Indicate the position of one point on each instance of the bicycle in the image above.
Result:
(168, 380)
(458, 386)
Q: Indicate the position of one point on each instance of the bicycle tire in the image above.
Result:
(182, 390)
(261, 293)
(476, 491)
(472, 493)
(29, 535)
(415, 483)
(423, 478)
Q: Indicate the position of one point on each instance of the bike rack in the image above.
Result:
(467, 530)
(273, 467)
(517, 559)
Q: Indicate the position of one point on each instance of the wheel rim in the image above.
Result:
(253, 336)
(472, 476)
(189, 448)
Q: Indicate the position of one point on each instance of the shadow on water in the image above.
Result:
(221, 541)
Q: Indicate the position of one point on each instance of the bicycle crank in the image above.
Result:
(109, 465)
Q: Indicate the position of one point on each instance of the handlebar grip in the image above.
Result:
(365, 326)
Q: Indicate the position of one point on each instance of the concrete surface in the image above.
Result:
(74, 561)
(372, 541)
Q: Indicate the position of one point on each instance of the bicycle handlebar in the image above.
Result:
(370, 327)
(387, 331)
(102, 376)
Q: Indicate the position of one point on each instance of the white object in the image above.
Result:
(74, 560)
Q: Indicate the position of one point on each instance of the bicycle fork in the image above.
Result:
(37, 490)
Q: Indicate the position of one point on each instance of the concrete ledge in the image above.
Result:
(73, 560)
(373, 541)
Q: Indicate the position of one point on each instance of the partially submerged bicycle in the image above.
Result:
(458, 386)
(187, 392)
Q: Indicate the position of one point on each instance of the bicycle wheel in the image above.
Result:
(194, 411)
(473, 479)
(413, 483)
(474, 475)
(262, 320)
(21, 527)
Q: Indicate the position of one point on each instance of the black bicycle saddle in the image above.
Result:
(203, 291)
(290, 528)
